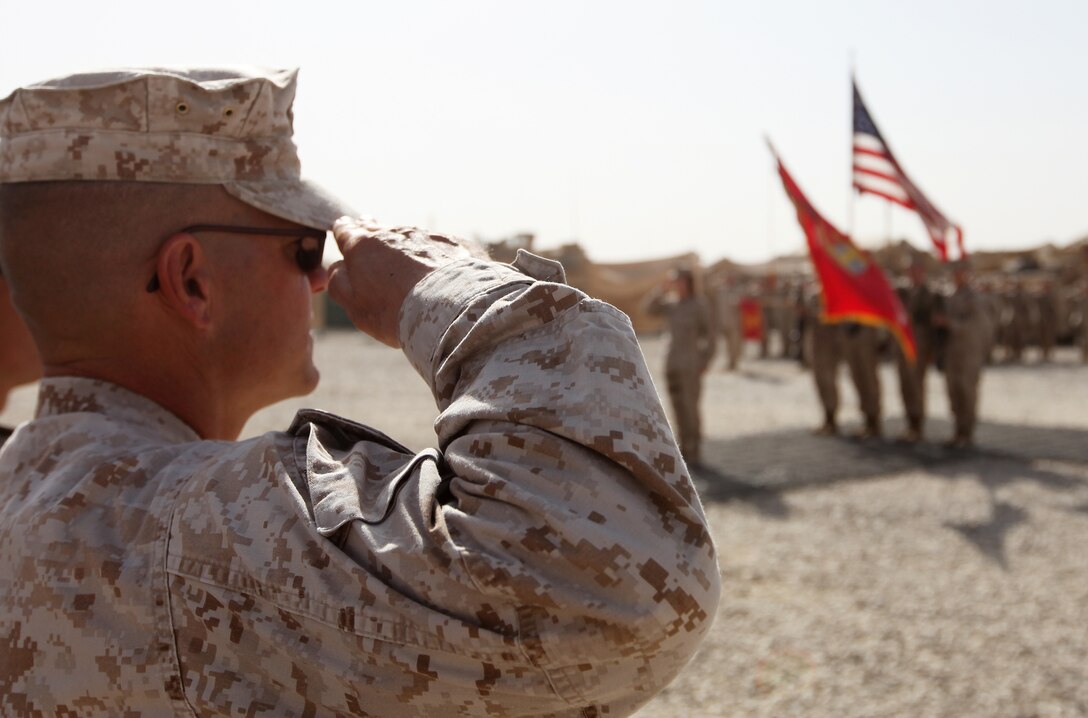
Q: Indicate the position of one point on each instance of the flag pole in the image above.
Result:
(770, 198)
(770, 212)
(850, 155)
(888, 224)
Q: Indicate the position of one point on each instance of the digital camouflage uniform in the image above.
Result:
(861, 347)
(827, 355)
(920, 303)
(1019, 325)
(691, 347)
(968, 336)
(1047, 304)
(776, 310)
(552, 559)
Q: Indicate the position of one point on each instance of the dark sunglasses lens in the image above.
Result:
(309, 253)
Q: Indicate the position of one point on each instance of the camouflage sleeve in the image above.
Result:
(560, 514)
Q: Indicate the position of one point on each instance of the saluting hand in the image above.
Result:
(380, 267)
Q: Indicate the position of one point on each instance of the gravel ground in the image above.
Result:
(860, 578)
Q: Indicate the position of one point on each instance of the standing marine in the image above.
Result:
(691, 347)
(826, 354)
(967, 324)
(862, 350)
(920, 302)
(551, 557)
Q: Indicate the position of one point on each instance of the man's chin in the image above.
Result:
(315, 379)
(310, 381)
(295, 390)
(299, 384)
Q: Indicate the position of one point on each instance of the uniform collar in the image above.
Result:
(69, 394)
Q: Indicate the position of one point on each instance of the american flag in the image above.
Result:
(876, 171)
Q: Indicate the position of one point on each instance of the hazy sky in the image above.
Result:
(636, 126)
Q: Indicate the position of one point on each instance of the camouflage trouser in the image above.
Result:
(912, 386)
(734, 344)
(861, 357)
(826, 356)
(962, 376)
(684, 389)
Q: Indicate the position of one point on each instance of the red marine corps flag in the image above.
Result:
(876, 171)
(751, 318)
(854, 287)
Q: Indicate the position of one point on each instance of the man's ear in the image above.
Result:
(185, 279)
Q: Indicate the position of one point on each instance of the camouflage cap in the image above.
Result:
(209, 126)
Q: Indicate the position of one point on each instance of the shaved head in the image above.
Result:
(224, 331)
(77, 255)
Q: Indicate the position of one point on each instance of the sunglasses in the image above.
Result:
(309, 250)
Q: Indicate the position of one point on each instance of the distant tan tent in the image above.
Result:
(623, 285)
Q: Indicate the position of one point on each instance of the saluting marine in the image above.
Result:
(691, 347)
(551, 557)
